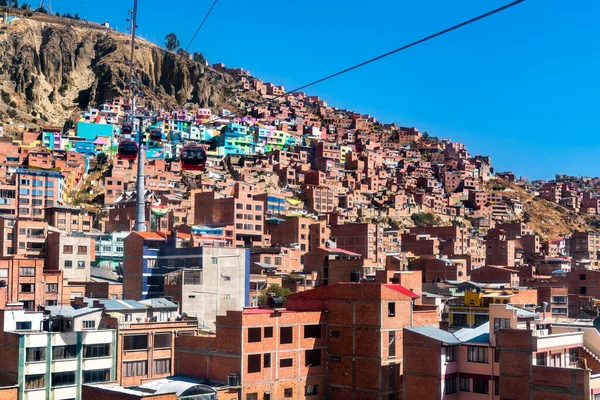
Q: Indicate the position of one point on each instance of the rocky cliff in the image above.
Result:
(50, 68)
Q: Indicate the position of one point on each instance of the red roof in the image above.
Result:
(336, 250)
(150, 235)
(403, 290)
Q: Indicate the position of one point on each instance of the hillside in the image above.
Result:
(549, 220)
(51, 67)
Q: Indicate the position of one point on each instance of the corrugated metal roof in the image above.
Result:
(435, 333)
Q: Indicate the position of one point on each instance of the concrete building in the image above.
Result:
(69, 219)
(221, 275)
(51, 355)
(71, 254)
(38, 189)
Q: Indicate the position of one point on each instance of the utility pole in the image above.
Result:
(140, 201)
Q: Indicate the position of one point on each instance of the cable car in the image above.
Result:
(128, 150)
(193, 158)
(126, 129)
(156, 135)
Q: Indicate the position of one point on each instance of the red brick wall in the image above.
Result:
(421, 379)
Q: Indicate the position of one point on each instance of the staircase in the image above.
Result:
(592, 350)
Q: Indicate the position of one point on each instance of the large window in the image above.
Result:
(481, 319)
(477, 354)
(64, 352)
(465, 384)
(312, 358)
(286, 362)
(27, 271)
(253, 363)
(286, 335)
(312, 331)
(450, 353)
(162, 341)
(540, 359)
(162, 366)
(481, 386)
(35, 354)
(63, 378)
(450, 385)
(91, 324)
(391, 344)
(35, 382)
(459, 319)
(501, 323)
(254, 335)
(23, 325)
(135, 342)
(135, 368)
(51, 287)
(391, 309)
(96, 375)
(96, 350)
(311, 390)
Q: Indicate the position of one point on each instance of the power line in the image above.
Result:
(201, 25)
(399, 49)
(193, 37)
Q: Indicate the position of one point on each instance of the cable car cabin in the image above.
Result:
(156, 135)
(126, 129)
(193, 158)
(128, 150)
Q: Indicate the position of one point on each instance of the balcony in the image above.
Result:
(560, 340)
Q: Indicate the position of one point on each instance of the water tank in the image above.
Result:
(233, 380)
(355, 276)
(275, 302)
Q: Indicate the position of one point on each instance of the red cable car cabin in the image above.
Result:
(126, 129)
(156, 135)
(128, 150)
(193, 158)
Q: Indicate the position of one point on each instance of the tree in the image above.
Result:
(276, 290)
(422, 220)
(57, 14)
(101, 158)
(171, 41)
(76, 16)
(25, 6)
(11, 112)
(3, 3)
(199, 58)
(42, 10)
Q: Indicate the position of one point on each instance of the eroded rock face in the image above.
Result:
(57, 69)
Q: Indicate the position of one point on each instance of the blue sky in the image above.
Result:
(522, 86)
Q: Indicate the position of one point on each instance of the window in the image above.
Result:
(64, 352)
(465, 384)
(67, 249)
(481, 319)
(26, 271)
(286, 335)
(312, 358)
(35, 354)
(239, 206)
(80, 264)
(477, 354)
(36, 192)
(162, 366)
(459, 319)
(51, 287)
(252, 396)
(496, 354)
(51, 303)
(582, 277)
(24, 191)
(450, 385)
(96, 350)
(68, 264)
(288, 393)
(583, 290)
(162, 341)
(253, 363)
(28, 305)
(135, 342)
(23, 325)
(96, 375)
(286, 362)
(268, 332)
(312, 331)
(559, 299)
(311, 390)
(81, 249)
(258, 208)
(501, 323)
(391, 309)
(391, 344)
(35, 382)
(89, 324)
(267, 360)
(254, 335)
(27, 288)
(63, 378)
(450, 354)
(215, 260)
(47, 193)
(540, 359)
(135, 368)
(480, 386)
